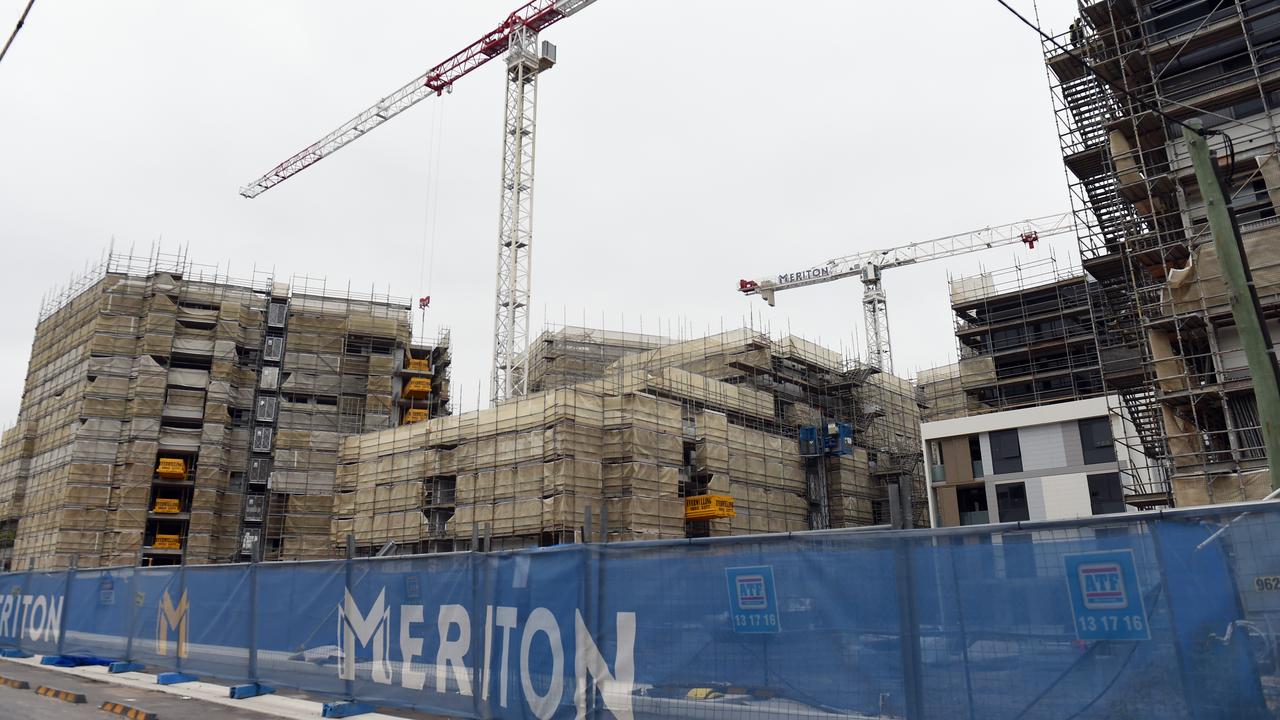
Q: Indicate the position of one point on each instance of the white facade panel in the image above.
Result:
(1023, 417)
(1042, 447)
(984, 442)
(1035, 499)
(1066, 496)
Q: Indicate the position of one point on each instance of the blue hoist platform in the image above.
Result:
(817, 443)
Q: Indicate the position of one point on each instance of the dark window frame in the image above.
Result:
(1094, 447)
(978, 493)
(1006, 451)
(1016, 510)
(975, 455)
(1106, 503)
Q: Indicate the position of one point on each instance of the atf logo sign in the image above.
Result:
(1102, 585)
(753, 605)
(172, 619)
(751, 594)
(1105, 597)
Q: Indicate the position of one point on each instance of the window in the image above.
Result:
(444, 490)
(975, 455)
(1007, 338)
(937, 471)
(1106, 494)
(972, 503)
(1011, 500)
(1006, 454)
(1096, 441)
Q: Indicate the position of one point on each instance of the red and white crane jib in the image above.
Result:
(535, 15)
(1027, 232)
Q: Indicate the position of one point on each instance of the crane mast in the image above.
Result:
(525, 62)
(517, 36)
(869, 264)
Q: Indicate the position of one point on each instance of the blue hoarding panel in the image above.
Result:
(1132, 617)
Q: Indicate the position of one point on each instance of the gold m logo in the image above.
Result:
(172, 619)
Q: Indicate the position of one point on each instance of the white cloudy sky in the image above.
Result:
(682, 145)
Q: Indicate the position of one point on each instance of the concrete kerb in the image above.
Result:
(274, 705)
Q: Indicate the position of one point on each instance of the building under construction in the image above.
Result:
(564, 356)
(668, 439)
(1169, 349)
(1025, 337)
(1020, 428)
(172, 413)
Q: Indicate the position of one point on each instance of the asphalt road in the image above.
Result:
(27, 705)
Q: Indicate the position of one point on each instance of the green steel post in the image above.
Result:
(1244, 299)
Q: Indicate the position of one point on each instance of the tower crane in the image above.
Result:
(869, 264)
(517, 36)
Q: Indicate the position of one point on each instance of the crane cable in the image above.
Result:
(16, 28)
(426, 263)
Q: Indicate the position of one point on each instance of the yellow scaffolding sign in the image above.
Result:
(172, 468)
(167, 542)
(708, 507)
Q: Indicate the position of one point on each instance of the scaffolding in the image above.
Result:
(1168, 349)
(633, 425)
(1025, 336)
(565, 355)
(174, 413)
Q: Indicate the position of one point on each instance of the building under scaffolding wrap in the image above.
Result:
(636, 433)
(1169, 350)
(172, 413)
(1020, 429)
(569, 355)
(1025, 336)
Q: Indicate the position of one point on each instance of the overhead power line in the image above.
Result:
(1089, 68)
(16, 28)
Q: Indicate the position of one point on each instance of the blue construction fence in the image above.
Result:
(1156, 615)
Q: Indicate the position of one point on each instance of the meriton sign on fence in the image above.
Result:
(1138, 616)
(32, 617)
(454, 639)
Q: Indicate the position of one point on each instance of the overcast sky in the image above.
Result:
(682, 145)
